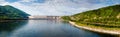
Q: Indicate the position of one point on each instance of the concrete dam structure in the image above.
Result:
(44, 17)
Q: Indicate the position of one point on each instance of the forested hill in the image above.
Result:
(107, 15)
(9, 12)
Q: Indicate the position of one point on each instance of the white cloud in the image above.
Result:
(27, 0)
(56, 7)
(2, 2)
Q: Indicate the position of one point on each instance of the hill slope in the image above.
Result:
(105, 17)
(9, 12)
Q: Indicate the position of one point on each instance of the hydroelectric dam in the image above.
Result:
(44, 17)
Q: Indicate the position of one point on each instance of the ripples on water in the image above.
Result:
(43, 28)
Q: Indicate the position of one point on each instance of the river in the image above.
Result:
(43, 28)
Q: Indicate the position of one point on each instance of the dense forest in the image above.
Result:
(9, 12)
(105, 17)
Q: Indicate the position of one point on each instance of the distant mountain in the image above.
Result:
(9, 12)
(106, 16)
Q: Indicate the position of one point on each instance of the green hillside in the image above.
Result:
(104, 17)
(9, 12)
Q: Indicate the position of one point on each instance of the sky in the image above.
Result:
(57, 7)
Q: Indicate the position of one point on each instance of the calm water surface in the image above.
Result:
(43, 28)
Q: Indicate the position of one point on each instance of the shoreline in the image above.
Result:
(95, 30)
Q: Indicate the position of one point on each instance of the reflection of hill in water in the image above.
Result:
(12, 24)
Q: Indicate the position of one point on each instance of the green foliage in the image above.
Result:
(9, 12)
(66, 18)
(105, 17)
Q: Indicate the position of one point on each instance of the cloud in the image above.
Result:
(59, 7)
(27, 0)
(2, 2)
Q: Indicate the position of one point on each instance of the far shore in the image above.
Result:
(96, 30)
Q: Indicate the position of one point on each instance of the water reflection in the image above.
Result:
(8, 26)
(50, 28)
(44, 28)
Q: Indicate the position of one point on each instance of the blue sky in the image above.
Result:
(57, 7)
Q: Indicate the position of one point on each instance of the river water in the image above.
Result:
(43, 28)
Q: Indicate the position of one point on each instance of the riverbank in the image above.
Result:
(95, 29)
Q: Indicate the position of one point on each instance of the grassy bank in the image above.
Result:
(113, 31)
(98, 27)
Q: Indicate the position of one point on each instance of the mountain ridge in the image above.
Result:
(10, 12)
(104, 17)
